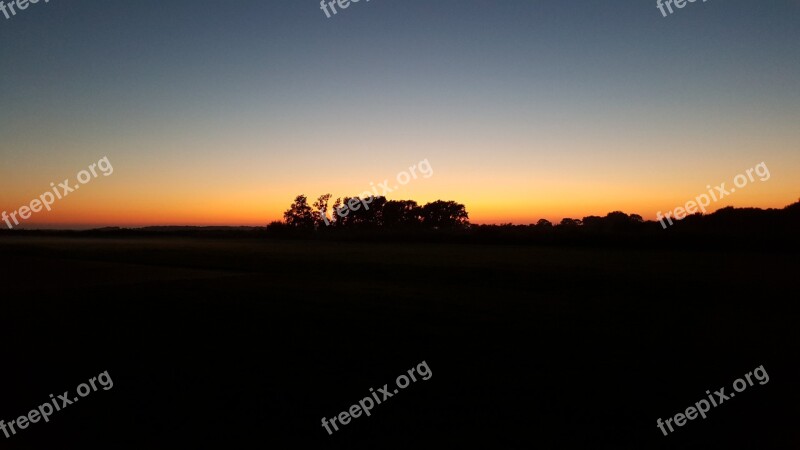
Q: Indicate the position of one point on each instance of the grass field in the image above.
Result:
(218, 343)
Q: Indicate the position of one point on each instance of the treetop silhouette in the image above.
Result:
(374, 212)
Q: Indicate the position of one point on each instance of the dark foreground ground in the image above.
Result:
(249, 343)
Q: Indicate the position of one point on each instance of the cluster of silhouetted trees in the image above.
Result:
(616, 220)
(379, 218)
(372, 213)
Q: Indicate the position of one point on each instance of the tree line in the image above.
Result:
(372, 212)
(375, 218)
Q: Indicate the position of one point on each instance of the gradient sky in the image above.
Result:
(217, 112)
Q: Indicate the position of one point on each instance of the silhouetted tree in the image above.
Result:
(401, 213)
(299, 215)
(544, 224)
(570, 223)
(345, 213)
(366, 212)
(593, 223)
(615, 221)
(445, 214)
(336, 219)
(321, 218)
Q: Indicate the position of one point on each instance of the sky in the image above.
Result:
(220, 113)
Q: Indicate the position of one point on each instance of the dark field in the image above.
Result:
(248, 343)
